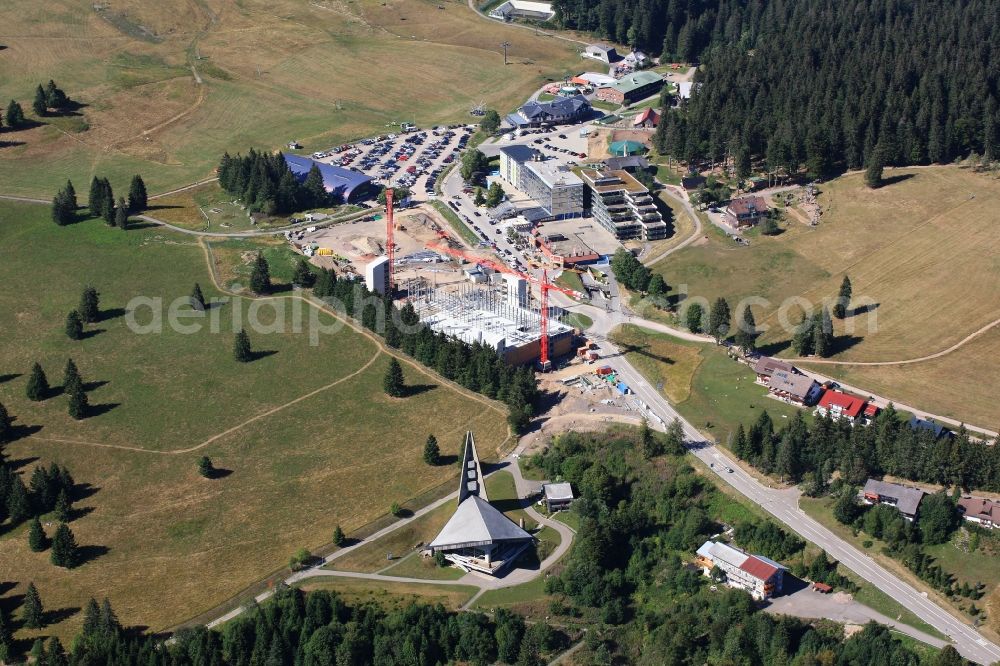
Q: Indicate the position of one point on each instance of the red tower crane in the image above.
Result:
(544, 286)
(390, 244)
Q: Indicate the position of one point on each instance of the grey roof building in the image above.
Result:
(479, 537)
(628, 163)
(349, 185)
(558, 496)
(561, 110)
(905, 499)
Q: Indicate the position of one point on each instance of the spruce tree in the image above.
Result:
(432, 453)
(70, 192)
(205, 467)
(65, 553)
(197, 298)
(55, 654)
(314, 188)
(338, 536)
(873, 172)
(78, 405)
(91, 619)
(15, 115)
(37, 541)
(64, 507)
(72, 381)
(32, 612)
(38, 384)
(74, 325)
(95, 199)
(719, 320)
(260, 277)
(18, 502)
(6, 638)
(393, 382)
(5, 432)
(746, 330)
(303, 277)
(242, 351)
(843, 299)
(63, 211)
(121, 215)
(109, 212)
(90, 305)
(39, 105)
(137, 199)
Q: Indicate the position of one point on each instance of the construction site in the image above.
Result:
(472, 297)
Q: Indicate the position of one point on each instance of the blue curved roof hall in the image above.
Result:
(343, 182)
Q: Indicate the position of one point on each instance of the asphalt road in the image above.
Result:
(783, 505)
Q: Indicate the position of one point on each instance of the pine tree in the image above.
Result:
(70, 192)
(205, 467)
(197, 298)
(91, 619)
(314, 187)
(802, 339)
(647, 441)
(338, 536)
(242, 351)
(63, 211)
(90, 305)
(6, 638)
(18, 502)
(303, 277)
(137, 198)
(78, 405)
(38, 384)
(65, 552)
(393, 382)
(95, 198)
(32, 612)
(260, 278)
(432, 453)
(121, 215)
(843, 299)
(823, 334)
(694, 316)
(109, 211)
(719, 320)
(37, 541)
(15, 115)
(55, 655)
(39, 105)
(873, 172)
(74, 325)
(5, 433)
(55, 98)
(746, 331)
(72, 381)
(64, 507)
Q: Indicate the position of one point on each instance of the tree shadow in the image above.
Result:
(219, 473)
(896, 178)
(863, 309)
(444, 461)
(12, 603)
(94, 385)
(16, 464)
(160, 207)
(101, 409)
(22, 431)
(57, 615)
(79, 512)
(10, 144)
(403, 513)
(281, 288)
(6, 586)
(111, 313)
(91, 333)
(417, 389)
(8, 377)
(136, 226)
(644, 351)
(844, 342)
(264, 353)
(82, 491)
(773, 348)
(90, 553)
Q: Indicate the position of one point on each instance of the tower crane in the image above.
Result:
(544, 287)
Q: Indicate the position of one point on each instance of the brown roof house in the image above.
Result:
(979, 510)
(794, 388)
(745, 212)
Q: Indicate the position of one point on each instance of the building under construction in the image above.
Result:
(500, 315)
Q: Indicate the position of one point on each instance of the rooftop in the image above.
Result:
(335, 179)
(748, 205)
(552, 173)
(767, 366)
(608, 180)
(519, 153)
(791, 383)
(628, 162)
(980, 508)
(558, 491)
(849, 405)
(907, 499)
(636, 80)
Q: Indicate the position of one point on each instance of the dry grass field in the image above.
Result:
(301, 432)
(319, 71)
(922, 254)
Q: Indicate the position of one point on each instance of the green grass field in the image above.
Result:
(393, 595)
(270, 72)
(301, 431)
(921, 253)
(709, 389)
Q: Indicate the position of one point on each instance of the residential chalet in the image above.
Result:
(905, 499)
(839, 405)
(560, 111)
(478, 537)
(745, 212)
(981, 511)
(756, 574)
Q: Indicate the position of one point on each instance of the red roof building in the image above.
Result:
(840, 405)
(648, 118)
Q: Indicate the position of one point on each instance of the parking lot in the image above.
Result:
(412, 159)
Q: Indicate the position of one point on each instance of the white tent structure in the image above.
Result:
(479, 537)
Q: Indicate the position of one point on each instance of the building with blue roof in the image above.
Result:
(347, 184)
